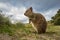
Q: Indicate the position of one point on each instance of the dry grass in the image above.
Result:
(28, 33)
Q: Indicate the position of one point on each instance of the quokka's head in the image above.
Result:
(28, 12)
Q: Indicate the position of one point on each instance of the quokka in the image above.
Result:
(37, 20)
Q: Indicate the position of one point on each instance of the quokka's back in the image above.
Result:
(38, 20)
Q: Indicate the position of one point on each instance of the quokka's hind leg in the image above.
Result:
(39, 30)
(44, 31)
(44, 28)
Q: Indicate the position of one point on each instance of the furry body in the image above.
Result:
(37, 20)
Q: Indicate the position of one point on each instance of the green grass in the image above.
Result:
(6, 29)
(26, 32)
(52, 33)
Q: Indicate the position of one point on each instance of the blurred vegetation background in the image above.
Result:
(25, 30)
(56, 19)
(6, 26)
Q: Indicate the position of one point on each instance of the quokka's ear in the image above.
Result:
(30, 8)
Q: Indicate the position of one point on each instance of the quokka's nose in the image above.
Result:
(24, 13)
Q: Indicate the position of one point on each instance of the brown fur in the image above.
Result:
(38, 20)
